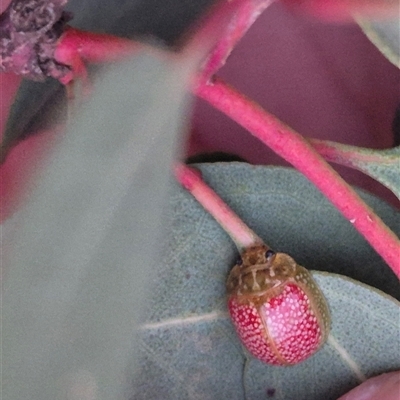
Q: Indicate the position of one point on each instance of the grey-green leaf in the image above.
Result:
(385, 35)
(188, 347)
(78, 258)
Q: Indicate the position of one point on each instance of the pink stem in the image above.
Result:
(239, 232)
(296, 150)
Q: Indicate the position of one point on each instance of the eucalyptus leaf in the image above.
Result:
(385, 35)
(77, 259)
(188, 347)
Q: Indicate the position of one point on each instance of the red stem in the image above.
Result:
(296, 150)
(239, 232)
